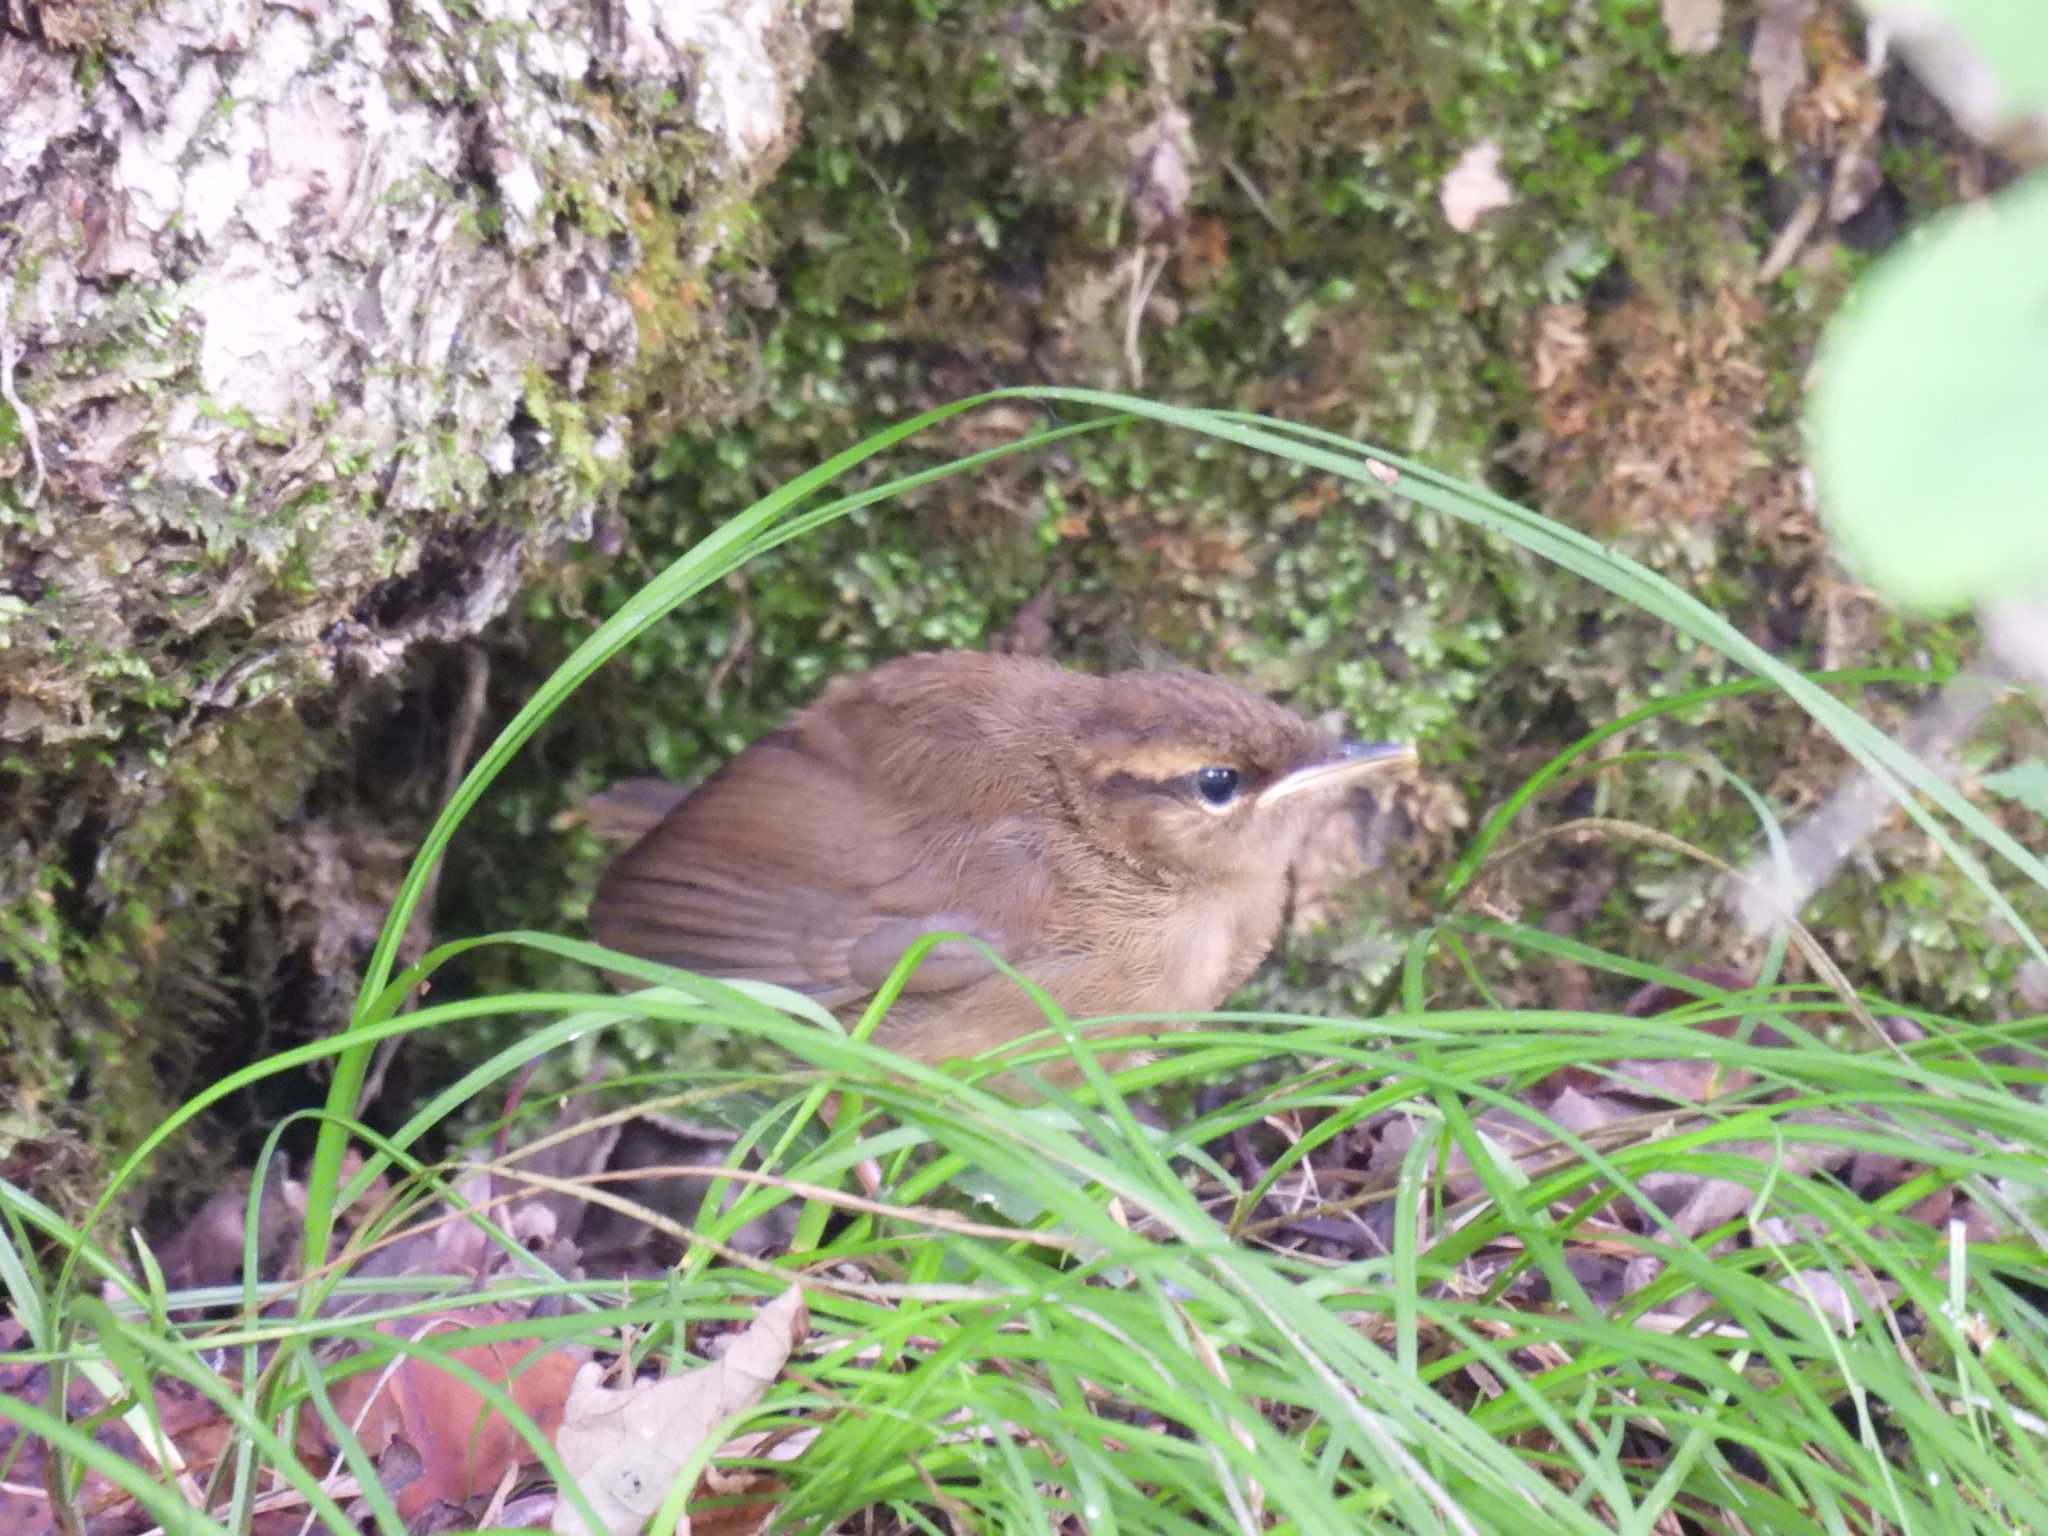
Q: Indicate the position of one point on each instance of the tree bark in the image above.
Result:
(319, 322)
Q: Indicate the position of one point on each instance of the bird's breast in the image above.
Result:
(1216, 941)
(1159, 952)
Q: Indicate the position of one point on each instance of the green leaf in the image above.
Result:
(1929, 407)
(2025, 782)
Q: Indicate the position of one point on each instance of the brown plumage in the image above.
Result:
(1123, 841)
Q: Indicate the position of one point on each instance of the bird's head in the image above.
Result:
(1195, 779)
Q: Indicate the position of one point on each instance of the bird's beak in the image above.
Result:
(1353, 761)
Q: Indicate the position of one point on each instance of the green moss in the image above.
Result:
(961, 213)
(1921, 171)
(92, 980)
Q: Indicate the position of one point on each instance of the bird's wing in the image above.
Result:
(784, 868)
(627, 811)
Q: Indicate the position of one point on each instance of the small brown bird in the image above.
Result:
(1124, 841)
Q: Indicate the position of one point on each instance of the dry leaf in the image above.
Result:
(463, 1449)
(1474, 187)
(191, 1421)
(1561, 345)
(1161, 182)
(1694, 26)
(625, 1446)
(1777, 60)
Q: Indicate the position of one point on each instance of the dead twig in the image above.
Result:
(419, 934)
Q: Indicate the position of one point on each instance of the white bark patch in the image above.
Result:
(295, 271)
(1777, 61)
(738, 100)
(41, 105)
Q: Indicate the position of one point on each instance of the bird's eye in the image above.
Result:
(1218, 786)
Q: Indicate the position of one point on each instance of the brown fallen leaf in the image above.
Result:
(464, 1448)
(624, 1446)
(192, 1423)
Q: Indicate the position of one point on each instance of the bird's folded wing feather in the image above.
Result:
(782, 868)
(627, 811)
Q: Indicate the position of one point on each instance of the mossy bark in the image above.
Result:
(318, 329)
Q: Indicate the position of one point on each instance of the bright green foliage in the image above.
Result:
(2025, 782)
(1928, 417)
(1809, 1359)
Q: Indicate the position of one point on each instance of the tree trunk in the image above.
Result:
(319, 323)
